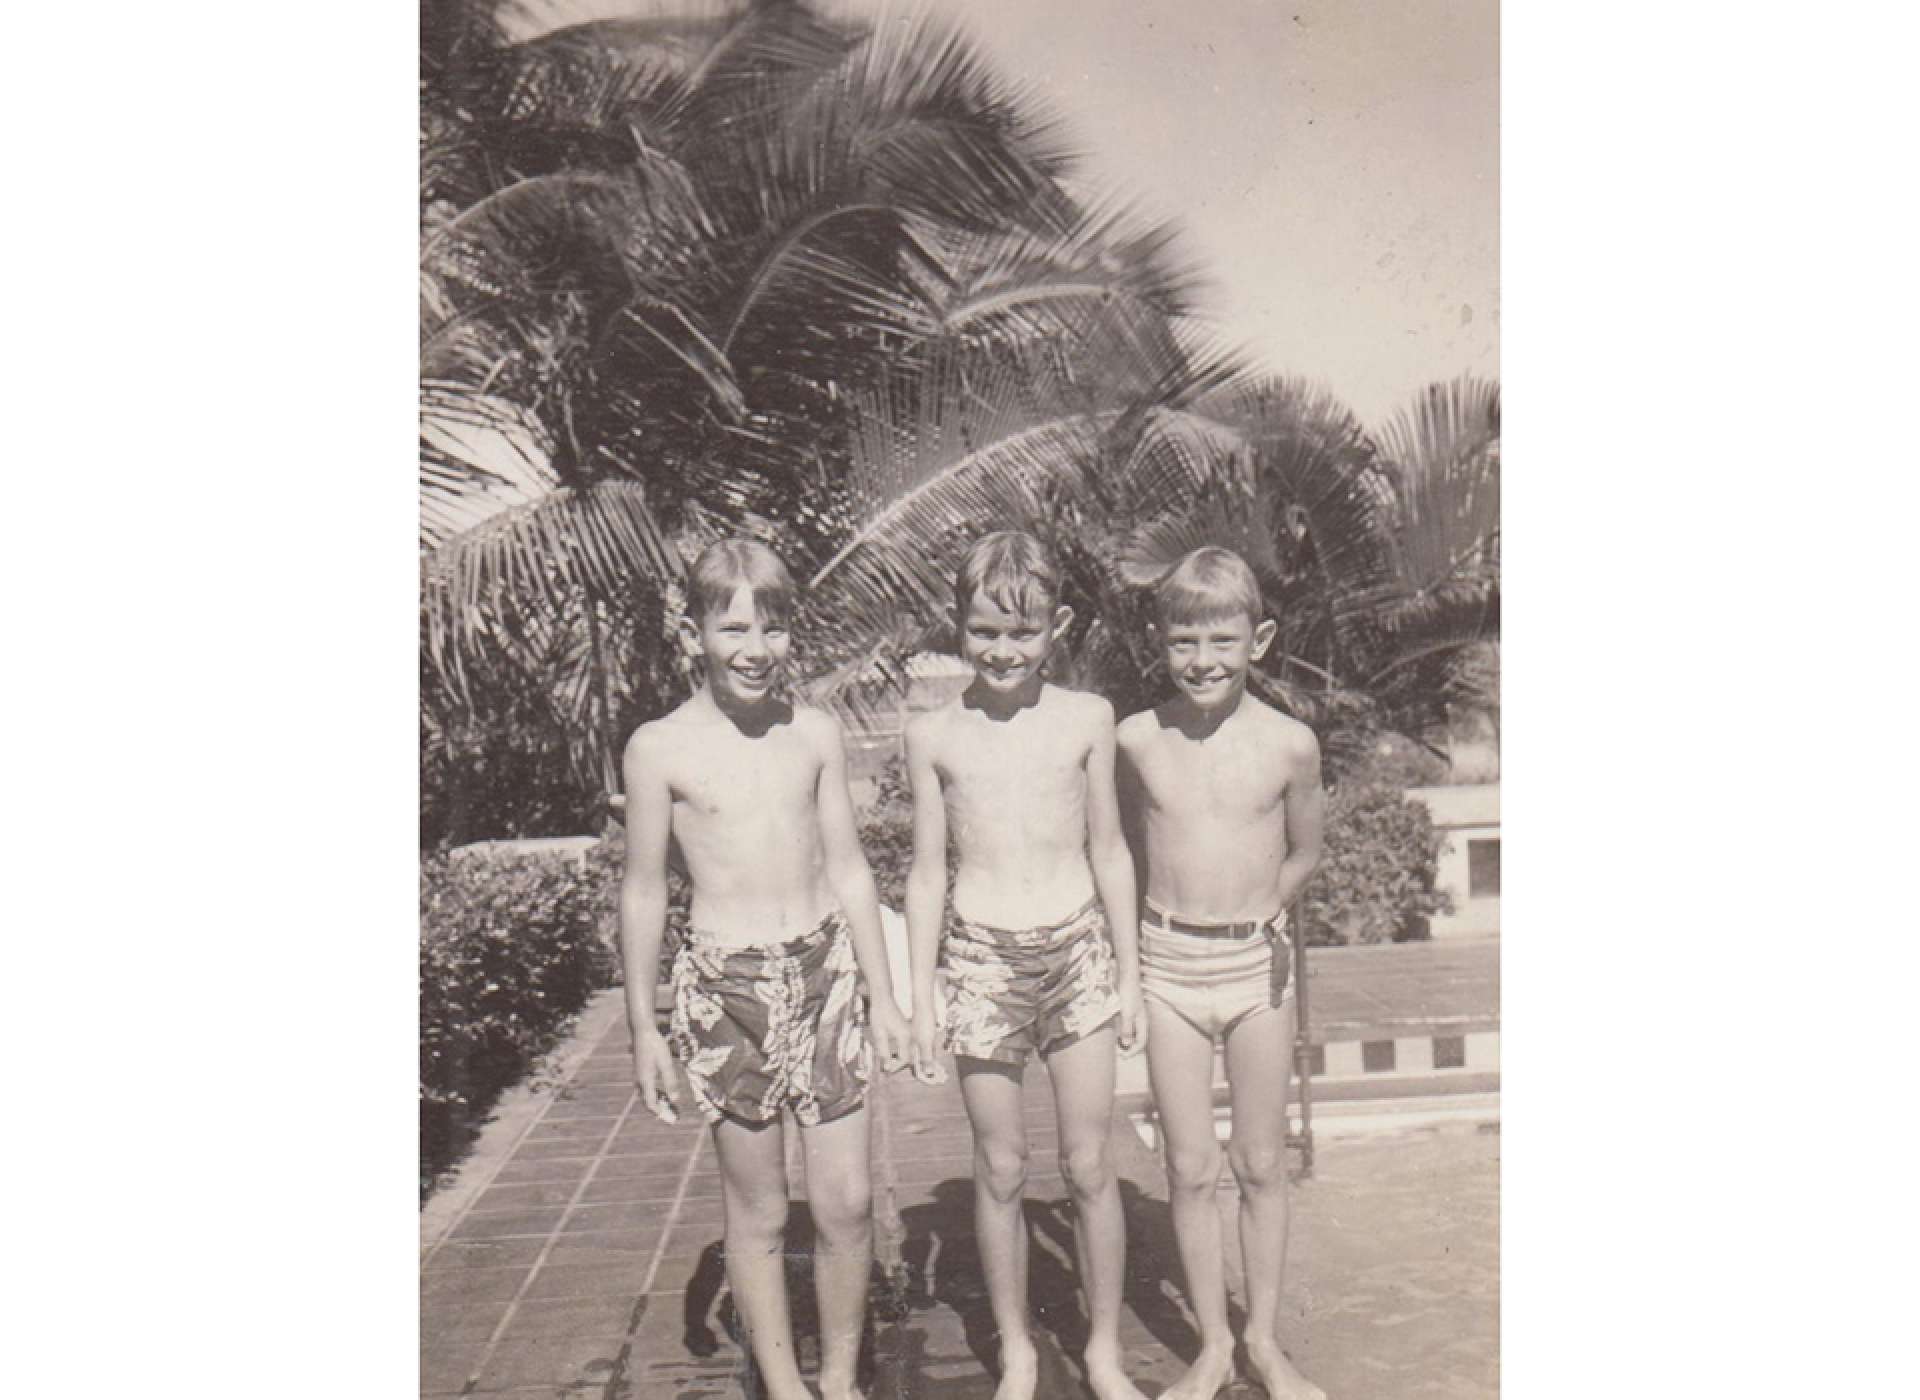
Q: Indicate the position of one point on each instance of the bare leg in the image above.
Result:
(1258, 1153)
(1180, 1065)
(839, 1191)
(991, 1093)
(1083, 1105)
(753, 1185)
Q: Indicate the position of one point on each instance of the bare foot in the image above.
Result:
(836, 1389)
(1019, 1371)
(1108, 1381)
(1211, 1369)
(1274, 1371)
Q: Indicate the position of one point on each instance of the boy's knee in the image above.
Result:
(1259, 1167)
(1002, 1169)
(843, 1212)
(1194, 1169)
(760, 1215)
(1088, 1168)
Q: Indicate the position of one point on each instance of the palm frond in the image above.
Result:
(1445, 452)
(531, 558)
(1110, 250)
(1325, 478)
(932, 459)
(474, 465)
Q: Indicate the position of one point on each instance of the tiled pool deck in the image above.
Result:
(581, 1258)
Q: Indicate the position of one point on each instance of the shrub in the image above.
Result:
(510, 948)
(606, 866)
(1376, 876)
(886, 833)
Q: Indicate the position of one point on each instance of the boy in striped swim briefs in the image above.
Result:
(1221, 798)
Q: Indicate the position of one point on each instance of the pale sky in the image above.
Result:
(1334, 164)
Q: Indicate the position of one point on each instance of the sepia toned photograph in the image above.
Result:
(960, 730)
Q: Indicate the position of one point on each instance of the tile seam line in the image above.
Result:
(673, 1215)
(634, 1201)
(553, 1236)
(501, 1165)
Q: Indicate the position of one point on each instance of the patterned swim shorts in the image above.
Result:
(1011, 993)
(1214, 975)
(758, 1027)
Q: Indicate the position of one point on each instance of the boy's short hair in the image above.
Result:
(1013, 569)
(1208, 582)
(725, 565)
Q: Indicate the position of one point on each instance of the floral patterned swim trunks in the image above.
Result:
(1011, 993)
(758, 1027)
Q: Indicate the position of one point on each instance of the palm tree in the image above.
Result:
(660, 260)
(1378, 553)
(749, 270)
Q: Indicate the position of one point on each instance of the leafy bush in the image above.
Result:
(606, 867)
(1375, 882)
(498, 778)
(886, 833)
(511, 946)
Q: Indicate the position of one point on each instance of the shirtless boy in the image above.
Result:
(1223, 804)
(1040, 955)
(770, 987)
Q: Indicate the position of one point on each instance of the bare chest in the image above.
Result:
(1004, 765)
(746, 783)
(1189, 781)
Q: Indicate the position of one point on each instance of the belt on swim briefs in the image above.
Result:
(1160, 918)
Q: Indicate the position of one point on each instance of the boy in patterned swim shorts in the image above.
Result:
(1039, 957)
(1222, 801)
(750, 793)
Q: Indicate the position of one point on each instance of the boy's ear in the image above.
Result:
(690, 636)
(1263, 636)
(1062, 620)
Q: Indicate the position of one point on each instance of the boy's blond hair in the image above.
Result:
(1013, 569)
(1207, 583)
(725, 565)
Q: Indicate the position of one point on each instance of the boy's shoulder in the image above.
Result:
(660, 733)
(816, 725)
(1138, 728)
(1280, 731)
(1081, 706)
(927, 723)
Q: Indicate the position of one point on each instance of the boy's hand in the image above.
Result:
(1133, 1016)
(656, 1076)
(926, 1056)
(892, 1038)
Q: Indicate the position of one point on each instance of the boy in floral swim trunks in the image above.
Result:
(1039, 957)
(1223, 806)
(769, 1007)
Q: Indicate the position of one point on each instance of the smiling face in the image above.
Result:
(1007, 649)
(746, 650)
(1208, 658)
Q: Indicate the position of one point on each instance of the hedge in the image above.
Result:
(1375, 880)
(511, 946)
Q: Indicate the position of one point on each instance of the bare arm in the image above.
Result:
(643, 919)
(851, 879)
(848, 873)
(1132, 793)
(926, 888)
(1112, 866)
(1306, 811)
